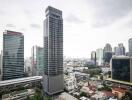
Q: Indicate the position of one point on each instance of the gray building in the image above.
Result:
(13, 55)
(120, 50)
(121, 68)
(107, 48)
(107, 55)
(37, 61)
(130, 47)
(93, 57)
(53, 51)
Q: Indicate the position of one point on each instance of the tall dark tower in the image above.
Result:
(53, 51)
(13, 55)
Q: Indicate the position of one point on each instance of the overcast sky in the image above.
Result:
(88, 24)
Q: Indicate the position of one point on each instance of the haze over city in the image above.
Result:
(88, 24)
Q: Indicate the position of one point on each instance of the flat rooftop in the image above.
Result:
(19, 80)
(121, 82)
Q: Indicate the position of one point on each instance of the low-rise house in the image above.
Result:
(70, 82)
(66, 96)
(119, 92)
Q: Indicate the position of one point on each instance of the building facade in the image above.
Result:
(53, 51)
(28, 66)
(121, 68)
(37, 61)
(99, 56)
(120, 50)
(130, 47)
(107, 48)
(13, 55)
(93, 57)
(107, 53)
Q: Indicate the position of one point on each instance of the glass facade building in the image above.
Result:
(121, 68)
(37, 61)
(13, 55)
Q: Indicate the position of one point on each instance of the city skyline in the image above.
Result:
(85, 24)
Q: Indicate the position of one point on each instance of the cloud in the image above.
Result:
(73, 19)
(2, 12)
(106, 12)
(10, 25)
(37, 26)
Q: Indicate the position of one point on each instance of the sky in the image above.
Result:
(88, 24)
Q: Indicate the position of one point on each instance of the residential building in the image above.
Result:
(13, 55)
(130, 47)
(119, 50)
(99, 56)
(70, 82)
(37, 61)
(121, 68)
(93, 57)
(53, 51)
(119, 92)
(66, 96)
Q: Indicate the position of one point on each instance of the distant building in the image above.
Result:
(13, 55)
(121, 68)
(107, 53)
(130, 47)
(107, 48)
(120, 50)
(107, 56)
(28, 66)
(37, 61)
(53, 51)
(93, 57)
(99, 56)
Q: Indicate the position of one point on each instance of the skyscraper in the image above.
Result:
(93, 56)
(53, 51)
(13, 55)
(120, 50)
(37, 61)
(130, 47)
(99, 56)
(107, 53)
(107, 48)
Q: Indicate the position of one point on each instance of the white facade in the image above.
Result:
(70, 82)
(99, 55)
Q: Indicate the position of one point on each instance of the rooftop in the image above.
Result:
(19, 80)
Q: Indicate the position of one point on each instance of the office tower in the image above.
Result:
(107, 48)
(13, 55)
(120, 50)
(99, 56)
(130, 47)
(121, 68)
(53, 51)
(107, 53)
(37, 61)
(93, 57)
